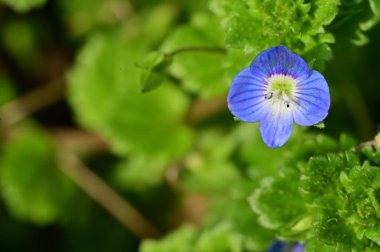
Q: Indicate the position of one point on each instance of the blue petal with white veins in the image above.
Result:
(276, 127)
(246, 97)
(279, 60)
(313, 100)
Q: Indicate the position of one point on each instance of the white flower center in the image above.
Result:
(281, 88)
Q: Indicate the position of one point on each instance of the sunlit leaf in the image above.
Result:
(106, 97)
(153, 70)
(200, 69)
(320, 125)
(182, 240)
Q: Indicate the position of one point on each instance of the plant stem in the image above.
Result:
(105, 196)
(218, 50)
(361, 146)
(20, 108)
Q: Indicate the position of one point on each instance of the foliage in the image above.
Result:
(143, 109)
(23, 5)
(105, 72)
(42, 195)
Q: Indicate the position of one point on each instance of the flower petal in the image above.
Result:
(313, 100)
(277, 246)
(298, 247)
(279, 60)
(246, 97)
(276, 127)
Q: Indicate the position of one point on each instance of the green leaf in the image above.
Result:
(22, 42)
(322, 173)
(372, 155)
(153, 70)
(307, 28)
(140, 173)
(332, 229)
(363, 207)
(211, 177)
(347, 142)
(106, 97)
(32, 187)
(200, 70)
(23, 5)
(314, 245)
(279, 203)
(296, 214)
(320, 125)
(219, 239)
(375, 7)
(344, 196)
(158, 21)
(264, 161)
(209, 170)
(181, 240)
(324, 14)
(353, 19)
(236, 213)
(255, 26)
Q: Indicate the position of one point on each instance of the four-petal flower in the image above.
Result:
(279, 89)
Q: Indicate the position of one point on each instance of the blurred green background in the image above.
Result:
(89, 162)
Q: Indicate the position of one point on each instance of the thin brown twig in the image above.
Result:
(79, 141)
(218, 50)
(105, 196)
(361, 146)
(18, 109)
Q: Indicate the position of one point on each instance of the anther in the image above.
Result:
(286, 100)
(268, 95)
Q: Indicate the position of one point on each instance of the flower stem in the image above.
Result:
(218, 50)
(361, 146)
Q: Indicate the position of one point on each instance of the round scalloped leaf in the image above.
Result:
(105, 95)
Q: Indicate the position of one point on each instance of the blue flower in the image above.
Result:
(278, 89)
(279, 246)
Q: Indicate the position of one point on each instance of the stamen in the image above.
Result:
(286, 100)
(279, 96)
(268, 95)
